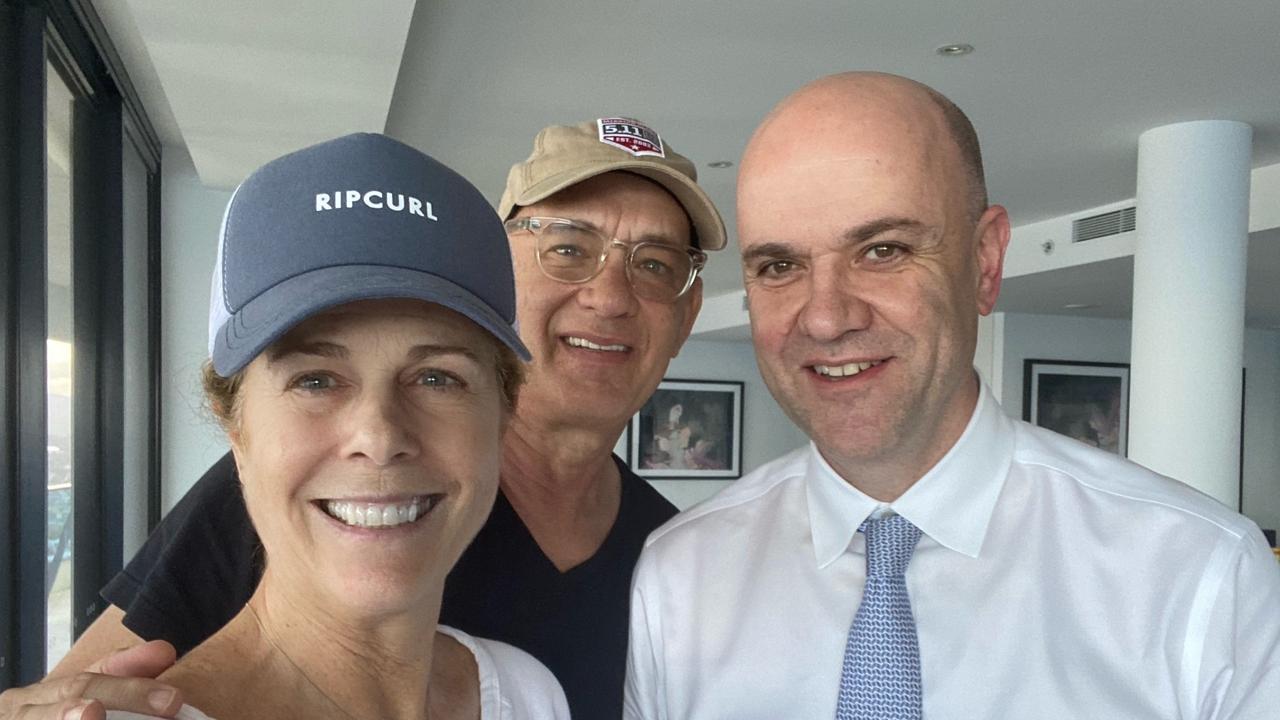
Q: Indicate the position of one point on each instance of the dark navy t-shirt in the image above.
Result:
(201, 565)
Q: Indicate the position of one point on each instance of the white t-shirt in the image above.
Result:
(513, 685)
(1053, 580)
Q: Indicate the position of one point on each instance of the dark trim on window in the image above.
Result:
(139, 125)
(108, 117)
(154, 367)
(23, 451)
(77, 56)
(97, 243)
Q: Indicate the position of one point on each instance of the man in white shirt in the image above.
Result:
(1015, 573)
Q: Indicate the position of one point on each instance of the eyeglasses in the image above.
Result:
(571, 252)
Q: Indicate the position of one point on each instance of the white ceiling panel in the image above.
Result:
(248, 80)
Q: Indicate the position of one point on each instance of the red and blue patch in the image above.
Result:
(631, 135)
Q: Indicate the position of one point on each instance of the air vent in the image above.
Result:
(1104, 225)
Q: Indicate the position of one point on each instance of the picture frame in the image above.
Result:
(1087, 401)
(689, 429)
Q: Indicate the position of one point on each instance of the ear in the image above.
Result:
(694, 300)
(991, 239)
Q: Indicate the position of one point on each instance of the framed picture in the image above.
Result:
(689, 429)
(1085, 401)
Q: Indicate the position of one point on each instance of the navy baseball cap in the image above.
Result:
(361, 217)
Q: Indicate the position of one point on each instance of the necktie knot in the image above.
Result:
(891, 540)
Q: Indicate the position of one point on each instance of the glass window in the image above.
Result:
(61, 358)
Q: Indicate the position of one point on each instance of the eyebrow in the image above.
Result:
(335, 351)
(852, 236)
(423, 352)
(659, 238)
(769, 249)
(284, 349)
(868, 230)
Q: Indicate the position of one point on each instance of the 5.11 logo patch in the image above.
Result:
(631, 135)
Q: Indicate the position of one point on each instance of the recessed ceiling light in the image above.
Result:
(720, 164)
(1078, 306)
(954, 49)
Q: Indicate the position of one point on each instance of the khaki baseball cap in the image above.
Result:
(565, 155)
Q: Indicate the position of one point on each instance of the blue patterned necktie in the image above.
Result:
(880, 679)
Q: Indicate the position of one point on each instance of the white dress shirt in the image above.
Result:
(1053, 580)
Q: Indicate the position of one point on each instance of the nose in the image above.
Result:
(380, 429)
(609, 293)
(834, 306)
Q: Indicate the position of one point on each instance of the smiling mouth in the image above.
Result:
(587, 344)
(845, 370)
(380, 515)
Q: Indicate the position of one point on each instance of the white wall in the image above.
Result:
(190, 218)
(766, 431)
(988, 353)
(1055, 337)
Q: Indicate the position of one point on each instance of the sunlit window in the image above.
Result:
(60, 356)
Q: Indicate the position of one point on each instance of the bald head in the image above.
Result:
(868, 253)
(866, 107)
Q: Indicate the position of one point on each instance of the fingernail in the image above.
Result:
(160, 700)
(76, 712)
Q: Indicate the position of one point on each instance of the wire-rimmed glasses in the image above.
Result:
(571, 252)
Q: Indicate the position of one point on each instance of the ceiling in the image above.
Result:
(1059, 91)
(1107, 287)
(239, 82)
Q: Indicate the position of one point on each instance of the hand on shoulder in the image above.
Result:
(124, 680)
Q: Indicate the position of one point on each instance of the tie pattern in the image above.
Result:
(880, 678)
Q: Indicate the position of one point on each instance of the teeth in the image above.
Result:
(844, 370)
(584, 343)
(374, 515)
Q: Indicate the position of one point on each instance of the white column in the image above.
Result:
(1188, 303)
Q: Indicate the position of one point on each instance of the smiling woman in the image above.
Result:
(400, 407)
(363, 364)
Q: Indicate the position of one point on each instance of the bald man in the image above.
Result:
(927, 556)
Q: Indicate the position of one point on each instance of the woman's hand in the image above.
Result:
(120, 681)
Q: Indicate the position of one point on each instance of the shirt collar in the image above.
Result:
(952, 503)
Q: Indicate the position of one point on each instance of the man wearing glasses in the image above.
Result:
(607, 227)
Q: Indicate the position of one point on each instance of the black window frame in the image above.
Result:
(108, 120)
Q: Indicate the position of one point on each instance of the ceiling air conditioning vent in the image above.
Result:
(1104, 225)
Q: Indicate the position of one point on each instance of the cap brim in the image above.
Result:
(706, 221)
(264, 319)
